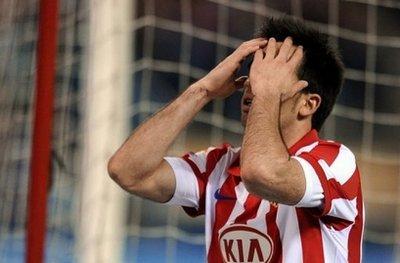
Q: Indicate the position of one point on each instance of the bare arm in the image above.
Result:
(267, 169)
(138, 165)
(142, 154)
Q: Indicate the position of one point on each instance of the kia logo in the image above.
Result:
(241, 243)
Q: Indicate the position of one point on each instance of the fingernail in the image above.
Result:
(272, 39)
(301, 47)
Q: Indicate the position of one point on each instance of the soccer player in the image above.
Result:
(286, 195)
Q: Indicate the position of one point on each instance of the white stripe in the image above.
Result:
(200, 159)
(344, 208)
(335, 243)
(288, 226)
(238, 209)
(259, 222)
(313, 194)
(307, 148)
(344, 165)
(341, 176)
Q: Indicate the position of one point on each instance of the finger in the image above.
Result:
(256, 40)
(258, 56)
(259, 42)
(253, 43)
(297, 57)
(270, 50)
(262, 43)
(297, 87)
(285, 48)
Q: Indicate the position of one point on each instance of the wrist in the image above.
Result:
(267, 93)
(199, 92)
(266, 101)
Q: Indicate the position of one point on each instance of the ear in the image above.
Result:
(309, 104)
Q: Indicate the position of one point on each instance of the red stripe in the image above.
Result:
(311, 237)
(335, 222)
(223, 209)
(348, 190)
(193, 165)
(250, 209)
(273, 232)
(327, 151)
(355, 236)
(213, 158)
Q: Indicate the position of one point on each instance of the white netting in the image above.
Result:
(173, 43)
(18, 36)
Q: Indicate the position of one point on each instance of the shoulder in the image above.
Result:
(332, 152)
(224, 149)
(336, 159)
(224, 153)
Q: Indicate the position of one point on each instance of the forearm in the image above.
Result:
(267, 169)
(263, 150)
(262, 142)
(144, 150)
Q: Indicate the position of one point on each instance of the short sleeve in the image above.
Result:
(190, 184)
(332, 168)
(314, 194)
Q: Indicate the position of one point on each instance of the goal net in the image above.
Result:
(120, 61)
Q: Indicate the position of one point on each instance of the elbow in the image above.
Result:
(114, 168)
(117, 171)
(256, 177)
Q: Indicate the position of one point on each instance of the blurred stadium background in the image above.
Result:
(119, 61)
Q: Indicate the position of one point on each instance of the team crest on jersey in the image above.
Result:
(241, 243)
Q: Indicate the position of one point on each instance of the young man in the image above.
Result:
(285, 195)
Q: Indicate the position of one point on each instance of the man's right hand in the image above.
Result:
(220, 82)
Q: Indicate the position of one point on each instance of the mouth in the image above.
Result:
(246, 104)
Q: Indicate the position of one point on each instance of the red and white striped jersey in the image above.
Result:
(325, 226)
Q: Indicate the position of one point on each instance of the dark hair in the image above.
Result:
(322, 66)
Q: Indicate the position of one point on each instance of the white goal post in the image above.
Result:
(102, 206)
